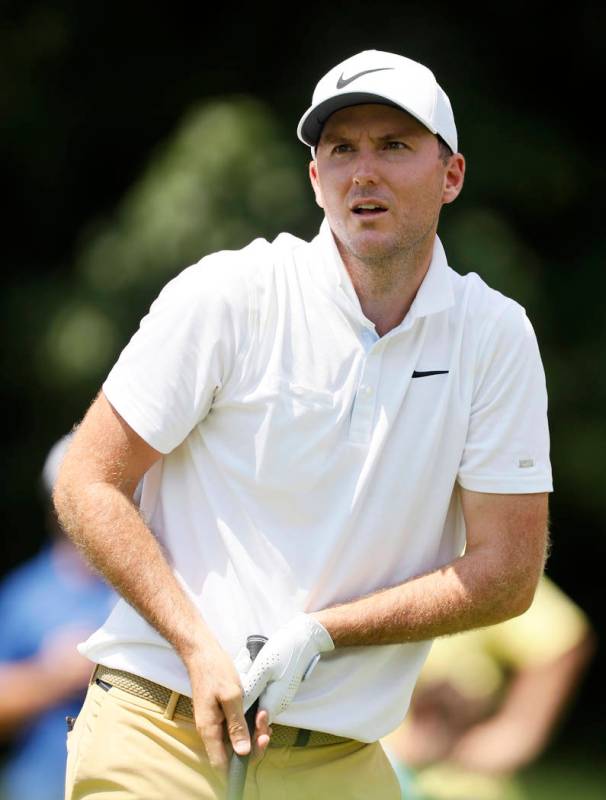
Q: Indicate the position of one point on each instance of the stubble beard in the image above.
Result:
(389, 263)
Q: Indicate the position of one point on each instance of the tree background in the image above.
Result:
(136, 138)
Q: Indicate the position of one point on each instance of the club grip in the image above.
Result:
(238, 764)
(254, 645)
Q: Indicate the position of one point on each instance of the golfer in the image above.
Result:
(344, 448)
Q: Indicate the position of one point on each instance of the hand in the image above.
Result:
(262, 734)
(287, 659)
(217, 700)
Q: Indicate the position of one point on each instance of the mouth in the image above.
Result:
(368, 208)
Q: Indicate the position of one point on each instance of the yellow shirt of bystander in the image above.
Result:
(487, 701)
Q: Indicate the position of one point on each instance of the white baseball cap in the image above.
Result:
(374, 76)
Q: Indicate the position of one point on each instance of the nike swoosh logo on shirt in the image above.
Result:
(343, 82)
(416, 374)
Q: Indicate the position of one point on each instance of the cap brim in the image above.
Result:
(314, 119)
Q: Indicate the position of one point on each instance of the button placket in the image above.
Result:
(363, 411)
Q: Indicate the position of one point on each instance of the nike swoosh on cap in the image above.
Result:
(343, 82)
(416, 374)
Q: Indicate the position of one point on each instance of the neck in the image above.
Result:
(387, 287)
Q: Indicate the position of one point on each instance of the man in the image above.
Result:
(47, 605)
(323, 429)
(488, 702)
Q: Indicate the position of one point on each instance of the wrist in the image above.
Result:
(319, 633)
(195, 644)
(327, 621)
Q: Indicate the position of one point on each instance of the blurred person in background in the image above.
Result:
(489, 700)
(46, 606)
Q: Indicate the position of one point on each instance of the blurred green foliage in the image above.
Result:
(227, 175)
(573, 774)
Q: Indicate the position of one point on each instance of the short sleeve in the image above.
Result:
(507, 445)
(165, 379)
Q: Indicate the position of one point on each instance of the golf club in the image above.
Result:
(239, 764)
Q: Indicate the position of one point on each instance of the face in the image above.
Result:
(379, 177)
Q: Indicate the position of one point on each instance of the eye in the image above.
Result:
(395, 145)
(342, 148)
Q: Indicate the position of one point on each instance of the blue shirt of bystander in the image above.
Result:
(39, 600)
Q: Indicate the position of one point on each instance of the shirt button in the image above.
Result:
(366, 390)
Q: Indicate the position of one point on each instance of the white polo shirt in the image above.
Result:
(308, 461)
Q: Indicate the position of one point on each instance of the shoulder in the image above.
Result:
(482, 302)
(487, 312)
(232, 275)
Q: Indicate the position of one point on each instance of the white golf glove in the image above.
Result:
(288, 657)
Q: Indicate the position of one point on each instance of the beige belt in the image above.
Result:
(172, 703)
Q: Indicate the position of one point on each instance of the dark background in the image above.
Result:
(90, 96)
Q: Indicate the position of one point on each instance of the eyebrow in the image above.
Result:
(333, 138)
(401, 134)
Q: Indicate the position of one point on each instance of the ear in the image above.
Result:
(453, 178)
(315, 182)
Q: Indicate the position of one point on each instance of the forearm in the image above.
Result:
(493, 581)
(24, 693)
(106, 525)
(473, 591)
(98, 476)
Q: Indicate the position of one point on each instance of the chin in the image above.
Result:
(372, 247)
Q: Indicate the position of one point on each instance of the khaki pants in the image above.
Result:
(124, 748)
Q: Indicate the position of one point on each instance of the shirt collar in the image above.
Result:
(435, 293)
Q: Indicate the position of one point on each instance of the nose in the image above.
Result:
(365, 172)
